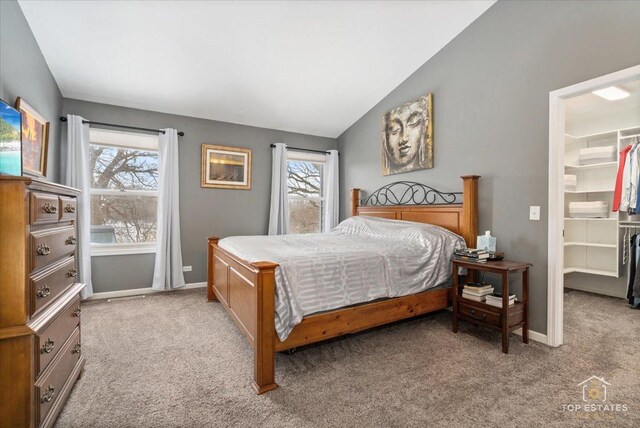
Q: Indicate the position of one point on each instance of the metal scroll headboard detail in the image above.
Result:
(409, 193)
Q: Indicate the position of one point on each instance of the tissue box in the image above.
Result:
(593, 155)
(593, 209)
(570, 182)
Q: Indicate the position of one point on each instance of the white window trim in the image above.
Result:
(122, 249)
(125, 140)
(313, 158)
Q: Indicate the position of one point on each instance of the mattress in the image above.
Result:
(593, 155)
(592, 209)
(361, 260)
(570, 182)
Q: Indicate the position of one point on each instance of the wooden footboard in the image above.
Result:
(246, 291)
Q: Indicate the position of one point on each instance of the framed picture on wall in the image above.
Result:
(35, 139)
(10, 146)
(226, 167)
(407, 137)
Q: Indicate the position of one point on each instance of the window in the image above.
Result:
(124, 192)
(306, 192)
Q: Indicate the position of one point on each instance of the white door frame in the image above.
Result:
(555, 269)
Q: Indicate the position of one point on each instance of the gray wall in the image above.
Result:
(491, 89)
(204, 212)
(24, 73)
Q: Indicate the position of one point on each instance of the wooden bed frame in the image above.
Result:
(247, 290)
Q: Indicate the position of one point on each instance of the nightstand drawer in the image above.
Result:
(473, 313)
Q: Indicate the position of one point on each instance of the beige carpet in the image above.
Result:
(173, 360)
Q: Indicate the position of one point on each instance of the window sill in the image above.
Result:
(98, 250)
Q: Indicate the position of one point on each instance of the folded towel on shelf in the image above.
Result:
(570, 182)
(592, 209)
(592, 155)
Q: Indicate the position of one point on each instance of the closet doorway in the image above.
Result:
(589, 243)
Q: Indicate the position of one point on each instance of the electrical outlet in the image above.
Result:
(186, 269)
(534, 213)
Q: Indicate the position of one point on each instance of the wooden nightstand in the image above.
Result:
(506, 319)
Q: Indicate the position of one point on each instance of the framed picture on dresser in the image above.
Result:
(10, 147)
(35, 139)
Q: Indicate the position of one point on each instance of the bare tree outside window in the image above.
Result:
(304, 180)
(124, 186)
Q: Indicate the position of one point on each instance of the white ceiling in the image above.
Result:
(587, 105)
(309, 67)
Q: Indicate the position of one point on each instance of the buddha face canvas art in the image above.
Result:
(407, 137)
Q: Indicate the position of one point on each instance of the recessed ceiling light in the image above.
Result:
(611, 93)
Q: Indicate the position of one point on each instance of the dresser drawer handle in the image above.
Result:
(69, 208)
(76, 313)
(71, 273)
(473, 314)
(77, 349)
(48, 394)
(43, 292)
(47, 347)
(71, 240)
(49, 208)
(43, 250)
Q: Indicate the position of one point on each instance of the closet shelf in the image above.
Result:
(600, 135)
(624, 137)
(589, 244)
(590, 219)
(591, 271)
(592, 166)
(590, 191)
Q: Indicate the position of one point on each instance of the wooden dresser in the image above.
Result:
(40, 353)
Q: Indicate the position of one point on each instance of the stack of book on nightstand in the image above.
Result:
(476, 291)
(471, 255)
(496, 300)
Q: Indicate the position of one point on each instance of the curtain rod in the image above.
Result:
(303, 150)
(64, 119)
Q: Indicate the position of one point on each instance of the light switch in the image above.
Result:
(534, 213)
(186, 268)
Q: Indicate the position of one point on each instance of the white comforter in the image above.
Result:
(362, 259)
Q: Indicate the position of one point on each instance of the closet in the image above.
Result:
(596, 239)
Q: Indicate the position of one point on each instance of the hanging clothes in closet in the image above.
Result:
(625, 196)
(633, 292)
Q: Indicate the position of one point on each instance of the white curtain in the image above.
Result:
(76, 174)
(167, 273)
(279, 212)
(331, 186)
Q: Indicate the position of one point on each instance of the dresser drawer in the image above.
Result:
(472, 313)
(49, 386)
(44, 208)
(50, 340)
(49, 245)
(48, 285)
(67, 208)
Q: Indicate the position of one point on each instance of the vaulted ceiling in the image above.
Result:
(310, 67)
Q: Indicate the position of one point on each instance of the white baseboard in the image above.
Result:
(534, 335)
(141, 291)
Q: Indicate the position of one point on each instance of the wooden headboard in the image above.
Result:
(419, 203)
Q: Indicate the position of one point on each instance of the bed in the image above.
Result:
(276, 303)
